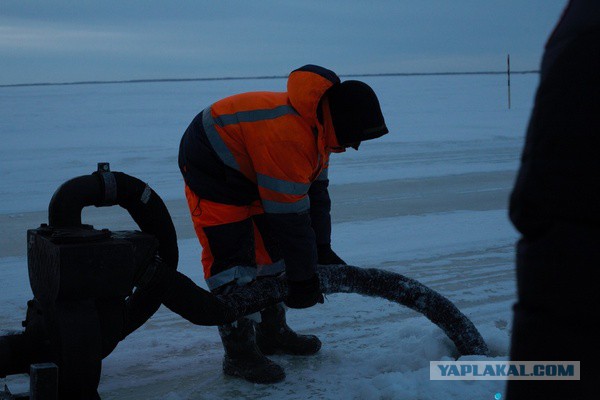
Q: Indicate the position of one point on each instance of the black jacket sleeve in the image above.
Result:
(320, 211)
(558, 177)
(297, 240)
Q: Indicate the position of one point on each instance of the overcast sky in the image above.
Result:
(74, 40)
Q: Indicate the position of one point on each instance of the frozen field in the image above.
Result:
(429, 201)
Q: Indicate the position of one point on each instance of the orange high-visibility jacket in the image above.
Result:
(267, 146)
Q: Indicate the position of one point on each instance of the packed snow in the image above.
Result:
(428, 201)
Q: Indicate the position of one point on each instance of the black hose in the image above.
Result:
(369, 282)
(195, 304)
(410, 293)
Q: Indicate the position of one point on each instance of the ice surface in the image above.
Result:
(427, 201)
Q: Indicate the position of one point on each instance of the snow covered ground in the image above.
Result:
(428, 201)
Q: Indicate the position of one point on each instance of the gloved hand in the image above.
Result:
(326, 256)
(304, 294)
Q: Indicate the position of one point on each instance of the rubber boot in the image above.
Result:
(274, 336)
(242, 358)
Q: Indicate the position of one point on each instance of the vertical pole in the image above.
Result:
(508, 75)
(43, 382)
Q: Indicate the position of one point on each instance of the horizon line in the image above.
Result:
(239, 78)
